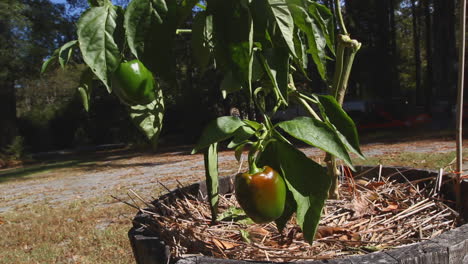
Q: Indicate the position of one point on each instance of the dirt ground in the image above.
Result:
(114, 172)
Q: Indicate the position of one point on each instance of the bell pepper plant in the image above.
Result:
(259, 46)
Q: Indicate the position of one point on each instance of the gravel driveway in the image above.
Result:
(115, 172)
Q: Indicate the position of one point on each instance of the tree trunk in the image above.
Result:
(444, 56)
(429, 73)
(384, 47)
(393, 59)
(417, 52)
(8, 129)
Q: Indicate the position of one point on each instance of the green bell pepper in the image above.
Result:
(261, 193)
(134, 83)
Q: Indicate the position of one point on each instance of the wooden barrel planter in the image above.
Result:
(449, 247)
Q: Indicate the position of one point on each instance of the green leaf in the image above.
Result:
(276, 64)
(160, 10)
(245, 236)
(69, 55)
(262, 16)
(218, 130)
(289, 209)
(253, 124)
(324, 18)
(184, 9)
(96, 29)
(318, 134)
(316, 40)
(150, 30)
(48, 62)
(285, 22)
(239, 151)
(235, 214)
(59, 55)
(211, 173)
(84, 94)
(139, 17)
(85, 88)
(67, 46)
(233, 37)
(241, 136)
(341, 120)
(95, 3)
(257, 67)
(149, 118)
(301, 51)
(306, 180)
(202, 42)
(229, 84)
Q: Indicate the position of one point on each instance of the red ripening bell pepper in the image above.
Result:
(261, 193)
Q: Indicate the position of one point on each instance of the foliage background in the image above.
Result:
(407, 62)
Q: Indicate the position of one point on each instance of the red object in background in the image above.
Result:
(389, 124)
(386, 120)
(417, 120)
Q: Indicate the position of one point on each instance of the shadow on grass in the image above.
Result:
(84, 161)
(16, 173)
(60, 161)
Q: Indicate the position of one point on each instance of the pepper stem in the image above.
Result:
(253, 169)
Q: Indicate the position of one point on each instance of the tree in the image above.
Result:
(417, 49)
(429, 71)
(374, 23)
(11, 19)
(444, 51)
(29, 31)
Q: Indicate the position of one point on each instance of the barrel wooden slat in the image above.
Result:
(421, 253)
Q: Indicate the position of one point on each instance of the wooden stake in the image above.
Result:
(461, 71)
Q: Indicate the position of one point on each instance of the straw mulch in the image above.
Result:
(372, 215)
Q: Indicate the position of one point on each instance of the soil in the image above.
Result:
(114, 172)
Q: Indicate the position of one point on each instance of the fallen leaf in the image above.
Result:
(245, 235)
(372, 196)
(390, 207)
(361, 182)
(257, 233)
(224, 244)
(328, 231)
(374, 185)
(339, 232)
(360, 207)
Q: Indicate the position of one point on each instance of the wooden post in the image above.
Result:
(461, 71)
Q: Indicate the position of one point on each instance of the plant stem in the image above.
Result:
(343, 85)
(347, 49)
(307, 98)
(251, 159)
(309, 108)
(183, 31)
(333, 172)
(338, 67)
(340, 17)
(301, 100)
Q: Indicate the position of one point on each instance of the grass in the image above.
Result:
(431, 161)
(85, 231)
